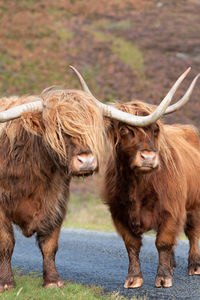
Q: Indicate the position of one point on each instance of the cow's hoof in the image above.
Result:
(6, 287)
(194, 270)
(58, 284)
(163, 282)
(133, 282)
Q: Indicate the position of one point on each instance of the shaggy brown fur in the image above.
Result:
(152, 182)
(35, 170)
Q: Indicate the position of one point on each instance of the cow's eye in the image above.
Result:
(124, 131)
(156, 130)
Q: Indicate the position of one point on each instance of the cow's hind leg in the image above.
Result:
(192, 231)
(7, 243)
(133, 244)
(49, 245)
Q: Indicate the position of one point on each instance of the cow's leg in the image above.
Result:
(7, 243)
(192, 231)
(172, 260)
(133, 244)
(49, 245)
(165, 241)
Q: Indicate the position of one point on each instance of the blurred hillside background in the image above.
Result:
(125, 49)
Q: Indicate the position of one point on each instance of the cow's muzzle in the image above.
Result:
(146, 161)
(84, 164)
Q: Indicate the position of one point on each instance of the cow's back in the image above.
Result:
(184, 140)
(189, 133)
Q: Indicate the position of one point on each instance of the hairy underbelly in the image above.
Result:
(34, 216)
(28, 229)
(143, 221)
(27, 215)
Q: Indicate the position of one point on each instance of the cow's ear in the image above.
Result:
(110, 129)
(33, 123)
(108, 123)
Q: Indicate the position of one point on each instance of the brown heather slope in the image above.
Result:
(124, 48)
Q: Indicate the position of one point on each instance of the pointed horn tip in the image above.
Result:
(195, 80)
(187, 71)
(71, 67)
(198, 75)
(76, 71)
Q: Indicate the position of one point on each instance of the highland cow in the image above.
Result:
(152, 183)
(45, 141)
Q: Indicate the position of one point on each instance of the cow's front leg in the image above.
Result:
(49, 245)
(7, 243)
(172, 260)
(165, 241)
(133, 244)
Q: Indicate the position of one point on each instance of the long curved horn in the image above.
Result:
(16, 112)
(130, 119)
(174, 107)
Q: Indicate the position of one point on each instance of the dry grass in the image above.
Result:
(87, 211)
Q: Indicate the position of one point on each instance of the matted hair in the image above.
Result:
(140, 108)
(71, 112)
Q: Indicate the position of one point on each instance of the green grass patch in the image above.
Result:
(106, 24)
(22, 73)
(64, 34)
(29, 287)
(31, 77)
(125, 50)
(3, 9)
(29, 69)
(87, 211)
(43, 32)
(129, 54)
(90, 74)
(6, 58)
(24, 4)
(54, 11)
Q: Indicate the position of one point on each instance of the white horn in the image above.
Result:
(130, 119)
(17, 111)
(174, 107)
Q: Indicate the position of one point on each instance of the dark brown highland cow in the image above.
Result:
(152, 182)
(58, 135)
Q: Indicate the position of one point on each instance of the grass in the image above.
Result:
(64, 34)
(16, 75)
(129, 54)
(35, 57)
(29, 287)
(106, 24)
(90, 74)
(87, 211)
(125, 50)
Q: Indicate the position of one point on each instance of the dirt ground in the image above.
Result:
(125, 49)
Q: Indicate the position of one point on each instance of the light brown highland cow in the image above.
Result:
(54, 136)
(152, 181)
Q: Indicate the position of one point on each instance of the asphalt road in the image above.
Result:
(97, 258)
